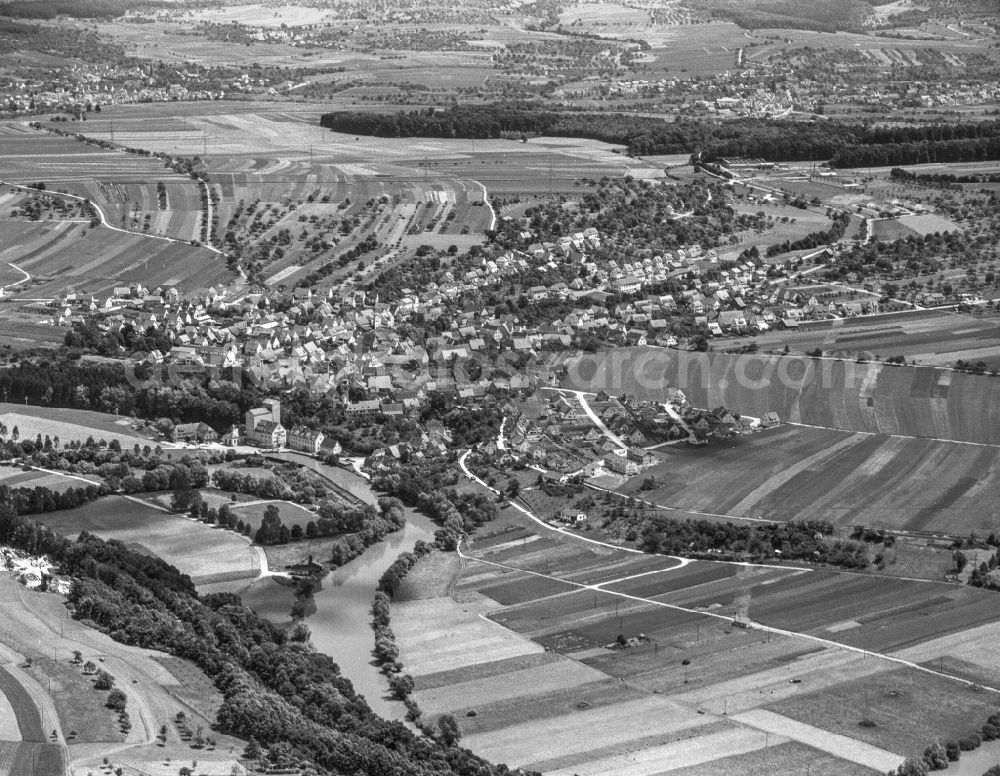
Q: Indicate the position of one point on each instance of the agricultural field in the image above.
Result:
(36, 626)
(152, 214)
(68, 425)
(18, 478)
(845, 395)
(845, 478)
(927, 337)
(691, 693)
(206, 554)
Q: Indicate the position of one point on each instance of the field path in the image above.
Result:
(25, 279)
(104, 219)
(832, 743)
(528, 513)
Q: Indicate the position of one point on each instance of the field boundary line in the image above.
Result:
(104, 220)
(894, 436)
(729, 619)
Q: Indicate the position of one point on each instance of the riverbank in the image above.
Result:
(341, 624)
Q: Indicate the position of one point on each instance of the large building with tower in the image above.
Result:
(263, 425)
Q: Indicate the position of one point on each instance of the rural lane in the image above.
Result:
(528, 513)
(594, 418)
(104, 220)
(601, 588)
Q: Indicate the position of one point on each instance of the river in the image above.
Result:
(977, 762)
(341, 625)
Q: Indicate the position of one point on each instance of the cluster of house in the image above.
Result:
(345, 343)
(554, 433)
(81, 88)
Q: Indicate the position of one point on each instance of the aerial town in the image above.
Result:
(508, 388)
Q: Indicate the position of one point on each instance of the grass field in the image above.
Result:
(290, 514)
(206, 554)
(37, 625)
(81, 707)
(68, 425)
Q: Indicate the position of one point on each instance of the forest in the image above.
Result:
(775, 140)
(276, 690)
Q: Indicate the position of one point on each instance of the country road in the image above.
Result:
(601, 587)
(104, 220)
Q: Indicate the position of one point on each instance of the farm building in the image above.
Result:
(195, 432)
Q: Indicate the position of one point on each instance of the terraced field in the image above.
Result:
(67, 253)
(692, 693)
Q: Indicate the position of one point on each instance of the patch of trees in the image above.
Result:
(77, 9)
(772, 139)
(183, 398)
(919, 152)
(942, 178)
(938, 755)
(983, 576)
(387, 656)
(392, 577)
(425, 486)
(814, 239)
(809, 540)
(374, 527)
(37, 500)
(289, 483)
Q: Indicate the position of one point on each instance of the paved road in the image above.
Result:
(34, 756)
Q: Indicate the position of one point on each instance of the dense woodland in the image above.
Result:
(774, 140)
(277, 690)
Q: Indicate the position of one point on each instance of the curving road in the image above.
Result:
(104, 220)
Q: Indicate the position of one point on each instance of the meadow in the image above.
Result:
(68, 425)
(206, 554)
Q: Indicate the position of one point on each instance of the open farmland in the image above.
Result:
(66, 253)
(68, 425)
(123, 185)
(206, 554)
(692, 693)
(929, 337)
(793, 473)
(844, 395)
(293, 133)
